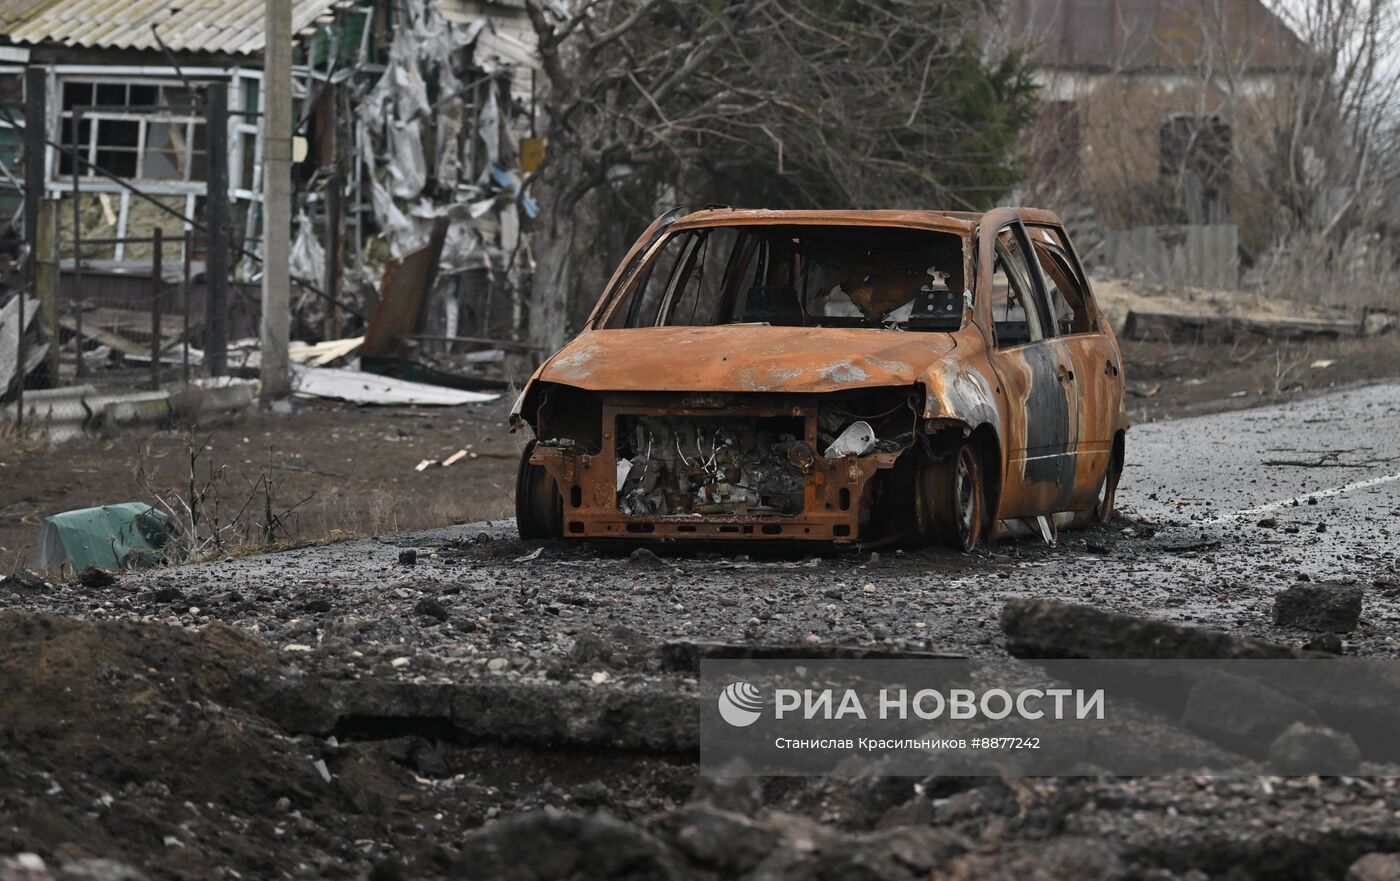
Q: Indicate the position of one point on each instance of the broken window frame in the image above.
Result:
(92, 121)
(1051, 240)
(1034, 304)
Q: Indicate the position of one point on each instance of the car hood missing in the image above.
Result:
(745, 358)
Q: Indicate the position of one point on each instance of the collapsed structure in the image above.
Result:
(409, 115)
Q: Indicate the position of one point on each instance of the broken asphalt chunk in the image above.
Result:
(1308, 749)
(1321, 606)
(1049, 629)
(432, 608)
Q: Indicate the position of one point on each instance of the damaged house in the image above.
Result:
(1149, 108)
(409, 118)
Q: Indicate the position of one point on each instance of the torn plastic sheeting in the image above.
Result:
(110, 536)
(371, 388)
(447, 140)
(488, 127)
(408, 170)
(308, 256)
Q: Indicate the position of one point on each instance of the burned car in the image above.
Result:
(914, 377)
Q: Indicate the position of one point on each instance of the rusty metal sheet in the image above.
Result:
(402, 291)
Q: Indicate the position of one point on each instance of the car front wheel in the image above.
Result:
(952, 500)
(539, 511)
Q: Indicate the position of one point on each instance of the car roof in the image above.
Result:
(945, 221)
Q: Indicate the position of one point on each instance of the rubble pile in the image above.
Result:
(143, 751)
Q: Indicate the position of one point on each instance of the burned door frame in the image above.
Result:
(1036, 384)
(630, 262)
(1097, 374)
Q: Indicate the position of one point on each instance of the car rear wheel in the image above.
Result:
(952, 500)
(539, 511)
(1108, 489)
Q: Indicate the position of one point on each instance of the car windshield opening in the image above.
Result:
(796, 276)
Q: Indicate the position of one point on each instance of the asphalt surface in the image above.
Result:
(1217, 514)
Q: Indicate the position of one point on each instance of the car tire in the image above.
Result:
(1108, 490)
(953, 501)
(539, 510)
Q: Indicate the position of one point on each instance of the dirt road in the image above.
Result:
(402, 663)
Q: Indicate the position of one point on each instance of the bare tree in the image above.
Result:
(1335, 162)
(848, 103)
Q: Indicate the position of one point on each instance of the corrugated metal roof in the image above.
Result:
(1163, 35)
(228, 26)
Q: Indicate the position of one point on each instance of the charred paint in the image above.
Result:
(1047, 415)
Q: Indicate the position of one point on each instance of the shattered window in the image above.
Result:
(1064, 288)
(144, 129)
(797, 276)
(1015, 316)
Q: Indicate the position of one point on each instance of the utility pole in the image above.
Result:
(277, 200)
(216, 249)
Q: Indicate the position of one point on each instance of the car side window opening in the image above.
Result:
(797, 276)
(1064, 289)
(1016, 317)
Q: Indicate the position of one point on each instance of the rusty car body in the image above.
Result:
(841, 376)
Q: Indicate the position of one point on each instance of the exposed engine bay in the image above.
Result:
(721, 465)
(710, 465)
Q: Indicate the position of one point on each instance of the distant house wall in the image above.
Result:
(1160, 149)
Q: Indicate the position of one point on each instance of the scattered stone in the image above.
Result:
(168, 594)
(96, 577)
(579, 846)
(1375, 867)
(644, 558)
(316, 606)
(590, 648)
(1325, 642)
(400, 662)
(408, 557)
(497, 665)
(1320, 606)
(1268, 523)
(1084, 859)
(432, 607)
(1314, 749)
(25, 581)
(726, 842)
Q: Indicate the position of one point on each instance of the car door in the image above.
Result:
(1033, 368)
(1096, 366)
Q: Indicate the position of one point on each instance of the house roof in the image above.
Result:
(1156, 35)
(223, 26)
